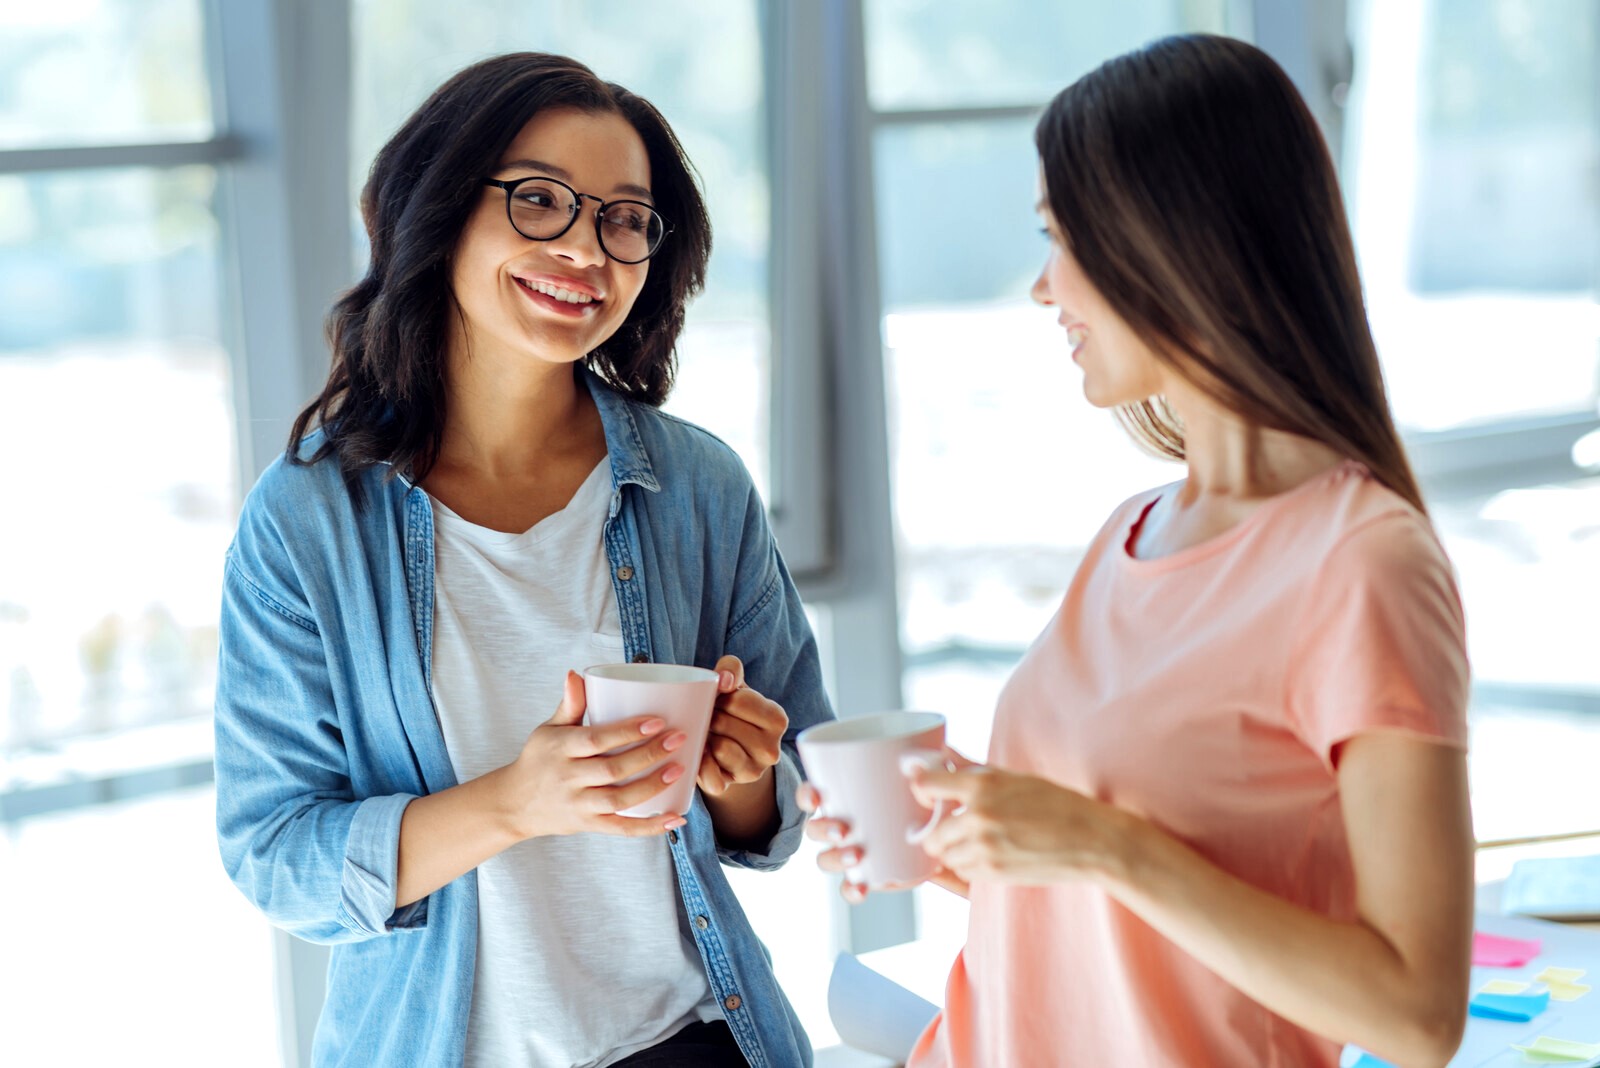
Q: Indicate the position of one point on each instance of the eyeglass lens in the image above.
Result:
(629, 231)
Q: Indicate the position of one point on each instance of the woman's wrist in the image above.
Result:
(1122, 849)
(747, 814)
(506, 810)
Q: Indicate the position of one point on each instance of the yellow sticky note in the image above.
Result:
(1567, 991)
(1502, 986)
(1547, 1050)
(1559, 975)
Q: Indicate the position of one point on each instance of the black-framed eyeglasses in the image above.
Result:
(542, 209)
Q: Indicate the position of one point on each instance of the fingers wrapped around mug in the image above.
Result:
(1016, 828)
(746, 734)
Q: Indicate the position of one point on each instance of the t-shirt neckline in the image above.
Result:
(1223, 541)
(488, 537)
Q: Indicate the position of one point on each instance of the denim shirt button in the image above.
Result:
(641, 658)
(672, 836)
(701, 922)
(624, 572)
(732, 1002)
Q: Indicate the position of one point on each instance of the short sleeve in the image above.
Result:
(1381, 641)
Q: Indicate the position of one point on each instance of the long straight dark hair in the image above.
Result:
(1197, 194)
(384, 400)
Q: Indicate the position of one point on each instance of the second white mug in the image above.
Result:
(859, 765)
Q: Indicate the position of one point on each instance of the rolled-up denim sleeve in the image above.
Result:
(317, 860)
(791, 823)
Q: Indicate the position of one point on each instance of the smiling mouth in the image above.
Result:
(557, 293)
(557, 301)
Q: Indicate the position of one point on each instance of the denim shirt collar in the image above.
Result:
(630, 463)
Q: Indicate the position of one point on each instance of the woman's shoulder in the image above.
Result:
(687, 453)
(302, 498)
(1356, 532)
(294, 482)
(1355, 510)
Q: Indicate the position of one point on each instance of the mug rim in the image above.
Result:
(664, 674)
(917, 722)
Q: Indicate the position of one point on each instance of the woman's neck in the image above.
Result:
(1231, 458)
(504, 421)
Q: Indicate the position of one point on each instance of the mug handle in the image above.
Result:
(927, 760)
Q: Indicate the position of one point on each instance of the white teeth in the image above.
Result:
(566, 296)
(1075, 336)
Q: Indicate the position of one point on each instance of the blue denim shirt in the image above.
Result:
(325, 726)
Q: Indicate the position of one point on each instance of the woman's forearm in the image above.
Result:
(445, 835)
(1344, 980)
(746, 814)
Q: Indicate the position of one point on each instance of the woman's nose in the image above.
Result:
(1041, 288)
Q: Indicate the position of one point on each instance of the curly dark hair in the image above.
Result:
(384, 400)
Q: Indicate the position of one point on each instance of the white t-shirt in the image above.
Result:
(584, 953)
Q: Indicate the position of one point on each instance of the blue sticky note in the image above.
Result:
(1518, 1007)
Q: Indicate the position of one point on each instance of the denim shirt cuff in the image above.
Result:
(371, 864)
(791, 825)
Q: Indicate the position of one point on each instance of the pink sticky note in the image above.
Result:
(1498, 951)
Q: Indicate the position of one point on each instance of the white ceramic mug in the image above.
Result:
(860, 767)
(683, 696)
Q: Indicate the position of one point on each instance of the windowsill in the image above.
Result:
(115, 766)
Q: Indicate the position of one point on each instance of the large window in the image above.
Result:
(117, 421)
(1472, 144)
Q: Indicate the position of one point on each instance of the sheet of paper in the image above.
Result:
(874, 1013)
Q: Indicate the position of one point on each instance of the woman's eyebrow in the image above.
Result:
(557, 172)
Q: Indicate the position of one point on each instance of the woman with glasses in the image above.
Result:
(1224, 819)
(483, 497)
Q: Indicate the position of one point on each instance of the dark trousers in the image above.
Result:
(700, 1045)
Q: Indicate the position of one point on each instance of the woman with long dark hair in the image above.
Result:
(1225, 816)
(483, 497)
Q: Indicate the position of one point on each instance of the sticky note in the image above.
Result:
(1547, 1050)
(1365, 1060)
(1567, 991)
(1519, 1007)
(1503, 986)
(1560, 975)
(1498, 951)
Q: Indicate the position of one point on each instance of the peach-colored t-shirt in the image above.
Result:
(1207, 691)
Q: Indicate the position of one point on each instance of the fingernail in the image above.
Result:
(674, 741)
(836, 834)
(725, 683)
(651, 726)
(673, 773)
(852, 857)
